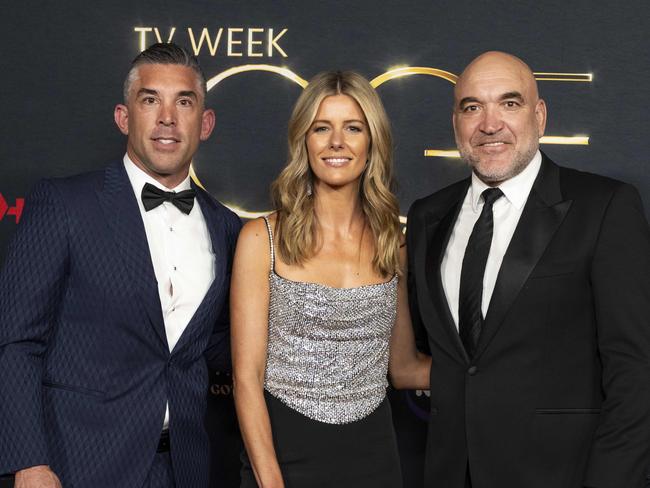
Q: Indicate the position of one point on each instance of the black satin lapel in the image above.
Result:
(438, 234)
(214, 223)
(123, 218)
(536, 228)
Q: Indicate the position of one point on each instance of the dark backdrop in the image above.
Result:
(64, 62)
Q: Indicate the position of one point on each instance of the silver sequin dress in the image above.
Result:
(325, 384)
(328, 347)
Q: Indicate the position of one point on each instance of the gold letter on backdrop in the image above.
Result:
(205, 35)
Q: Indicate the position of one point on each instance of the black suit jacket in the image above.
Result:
(558, 394)
(86, 369)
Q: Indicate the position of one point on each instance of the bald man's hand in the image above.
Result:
(37, 477)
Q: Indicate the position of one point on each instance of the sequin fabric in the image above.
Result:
(327, 354)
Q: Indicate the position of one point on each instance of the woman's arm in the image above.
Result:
(408, 368)
(249, 312)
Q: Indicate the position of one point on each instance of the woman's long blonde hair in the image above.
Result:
(297, 224)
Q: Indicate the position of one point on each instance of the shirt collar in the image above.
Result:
(138, 178)
(515, 189)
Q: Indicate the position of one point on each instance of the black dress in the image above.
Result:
(312, 454)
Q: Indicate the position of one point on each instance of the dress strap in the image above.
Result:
(272, 246)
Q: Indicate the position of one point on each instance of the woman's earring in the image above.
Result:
(309, 191)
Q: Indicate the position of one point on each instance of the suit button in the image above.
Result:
(472, 370)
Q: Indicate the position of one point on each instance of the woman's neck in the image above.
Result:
(339, 211)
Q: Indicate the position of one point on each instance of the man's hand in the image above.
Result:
(37, 477)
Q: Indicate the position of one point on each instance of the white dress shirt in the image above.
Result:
(506, 212)
(181, 253)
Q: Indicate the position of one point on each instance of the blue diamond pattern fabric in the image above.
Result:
(86, 370)
(161, 474)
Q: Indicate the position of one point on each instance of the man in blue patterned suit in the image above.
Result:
(113, 295)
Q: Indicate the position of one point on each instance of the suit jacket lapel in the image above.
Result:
(123, 217)
(214, 223)
(542, 215)
(438, 234)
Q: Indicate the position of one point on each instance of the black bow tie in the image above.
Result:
(153, 196)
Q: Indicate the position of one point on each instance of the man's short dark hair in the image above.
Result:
(164, 53)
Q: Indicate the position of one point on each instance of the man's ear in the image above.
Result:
(208, 119)
(540, 115)
(121, 115)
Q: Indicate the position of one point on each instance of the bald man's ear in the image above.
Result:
(540, 115)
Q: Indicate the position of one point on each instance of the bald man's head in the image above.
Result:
(495, 64)
(498, 116)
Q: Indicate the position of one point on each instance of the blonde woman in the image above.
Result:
(316, 291)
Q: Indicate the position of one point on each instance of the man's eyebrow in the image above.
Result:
(188, 93)
(506, 96)
(510, 95)
(466, 100)
(182, 93)
(146, 91)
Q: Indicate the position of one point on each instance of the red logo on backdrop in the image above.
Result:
(16, 211)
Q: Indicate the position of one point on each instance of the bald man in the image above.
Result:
(531, 285)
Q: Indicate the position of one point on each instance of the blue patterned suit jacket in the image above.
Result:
(86, 370)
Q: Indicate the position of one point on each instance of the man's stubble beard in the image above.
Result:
(519, 162)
